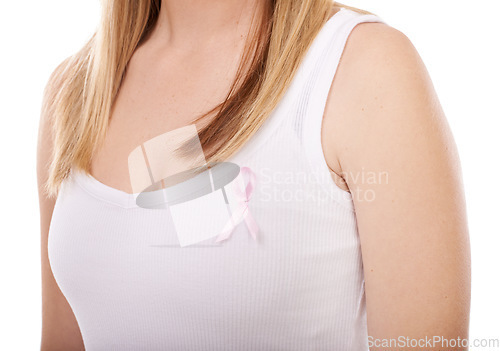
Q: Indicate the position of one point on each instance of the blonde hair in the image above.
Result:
(83, 87)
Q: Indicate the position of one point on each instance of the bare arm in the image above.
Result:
(384, 121)
(60, 329)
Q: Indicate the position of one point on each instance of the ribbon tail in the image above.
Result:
(231, 224)
(243, 213)
(252, 226)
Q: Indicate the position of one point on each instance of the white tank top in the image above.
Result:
(299, 286)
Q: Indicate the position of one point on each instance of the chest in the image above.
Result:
(156, 97)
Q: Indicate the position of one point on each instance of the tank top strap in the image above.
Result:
(301, 105)
(321, 72)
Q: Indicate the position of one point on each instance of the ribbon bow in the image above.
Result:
(241, 212)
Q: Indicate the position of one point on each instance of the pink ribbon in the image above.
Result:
(241, 212)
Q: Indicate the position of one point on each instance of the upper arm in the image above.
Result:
(385, 132)
(60, 329)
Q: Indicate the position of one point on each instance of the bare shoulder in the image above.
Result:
(380, 76)
(372, 33)
(381, 56)
(384, 120)
(381, 52)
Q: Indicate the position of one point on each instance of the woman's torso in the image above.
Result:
(298, 287)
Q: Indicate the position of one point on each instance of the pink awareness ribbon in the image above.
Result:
(241, 212)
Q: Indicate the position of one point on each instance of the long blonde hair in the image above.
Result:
(83, 87)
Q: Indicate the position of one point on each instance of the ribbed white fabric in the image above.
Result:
(299, 287)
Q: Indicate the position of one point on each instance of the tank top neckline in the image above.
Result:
(124, 199)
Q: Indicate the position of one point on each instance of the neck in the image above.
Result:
(194, 24)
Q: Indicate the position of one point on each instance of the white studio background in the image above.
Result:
(458, 41)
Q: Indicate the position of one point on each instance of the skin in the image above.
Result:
(176, 75)
(413, 233)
